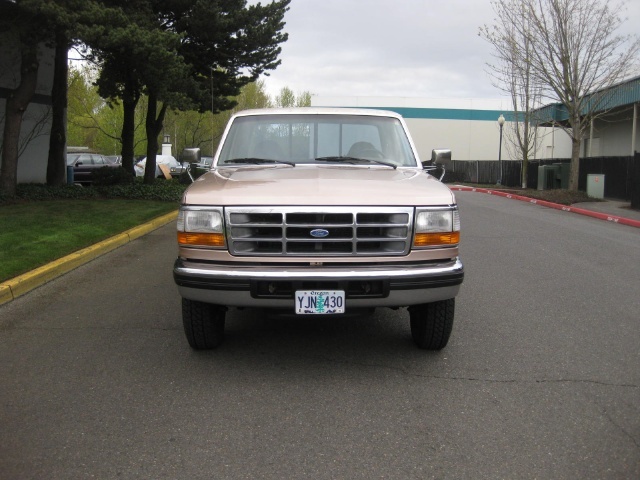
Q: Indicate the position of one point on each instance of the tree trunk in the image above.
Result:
(575, 164)
(152, 140)
(130, 100)
(17, 103)
(153, 125)
(56, 164)
(128, 132)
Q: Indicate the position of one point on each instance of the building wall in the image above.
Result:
(612, 136)
(469, 127)
(36, 121)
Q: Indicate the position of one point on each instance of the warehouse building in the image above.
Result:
(469, 127)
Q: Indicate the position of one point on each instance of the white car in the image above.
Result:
(175, 167)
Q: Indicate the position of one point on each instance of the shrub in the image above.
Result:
(164, 190)
(112, 176)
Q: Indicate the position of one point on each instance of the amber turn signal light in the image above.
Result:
(201, 239)
(435, 239)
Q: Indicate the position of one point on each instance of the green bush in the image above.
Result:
(106, 176)
(164, 190)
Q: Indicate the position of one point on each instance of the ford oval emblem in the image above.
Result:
(319, 233)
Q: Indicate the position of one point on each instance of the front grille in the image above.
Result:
(316, 231)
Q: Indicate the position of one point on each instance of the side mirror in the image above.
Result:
(190, 155)
(440, 159)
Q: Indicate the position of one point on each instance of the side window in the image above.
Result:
(97, 159)
(85, 159)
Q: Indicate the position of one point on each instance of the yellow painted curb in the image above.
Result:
(141, 230)
(5, 294)
(13, 288)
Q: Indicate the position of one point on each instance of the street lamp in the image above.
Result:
(501, 123)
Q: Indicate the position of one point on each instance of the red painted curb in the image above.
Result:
(557, 206)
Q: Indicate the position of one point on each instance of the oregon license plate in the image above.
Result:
(319, 302)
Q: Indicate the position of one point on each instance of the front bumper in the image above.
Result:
(380, 285)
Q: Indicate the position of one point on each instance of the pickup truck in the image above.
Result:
(319, 211)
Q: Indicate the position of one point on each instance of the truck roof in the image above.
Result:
(318, 111)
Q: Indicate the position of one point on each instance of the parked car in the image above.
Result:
(117, 159)
(84, 164)
(176, 169)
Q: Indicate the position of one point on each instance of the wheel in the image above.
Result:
(203, 324)
(431, 323)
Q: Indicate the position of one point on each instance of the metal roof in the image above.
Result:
(619, 95)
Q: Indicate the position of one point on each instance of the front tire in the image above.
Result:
(203, 324)
(431, 323)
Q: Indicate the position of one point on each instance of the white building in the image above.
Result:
(469, 127)
(36, 121)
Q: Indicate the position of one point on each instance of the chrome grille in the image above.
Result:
(340, 231)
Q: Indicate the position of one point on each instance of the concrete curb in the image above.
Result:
(557, 206)
(17, 286)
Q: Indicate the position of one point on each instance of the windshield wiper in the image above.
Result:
(355, 160)
(257, 161)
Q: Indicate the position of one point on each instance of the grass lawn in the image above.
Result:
(35, 233)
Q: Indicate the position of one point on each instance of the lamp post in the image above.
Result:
(501, 123)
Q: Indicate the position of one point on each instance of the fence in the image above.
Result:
(622, 174)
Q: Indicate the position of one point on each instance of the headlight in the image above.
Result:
(201, 227)
(437, 228)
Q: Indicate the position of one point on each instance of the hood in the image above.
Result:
(318, 185)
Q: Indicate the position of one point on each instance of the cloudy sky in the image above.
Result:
(404, 48)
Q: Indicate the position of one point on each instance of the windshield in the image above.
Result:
(317, 139)
(71, 158)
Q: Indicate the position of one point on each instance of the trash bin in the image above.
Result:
(549, 177)
(69, 174)
(595, 185)
(565, 169)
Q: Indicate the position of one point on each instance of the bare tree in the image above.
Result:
(511, 73)
(576, 56)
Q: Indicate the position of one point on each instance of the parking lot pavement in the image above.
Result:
(540, 378)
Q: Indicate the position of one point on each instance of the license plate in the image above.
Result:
(319, 302)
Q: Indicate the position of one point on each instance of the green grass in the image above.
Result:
(35, 233)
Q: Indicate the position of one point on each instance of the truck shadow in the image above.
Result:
(370, 330)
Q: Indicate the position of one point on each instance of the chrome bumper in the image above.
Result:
(396, 285)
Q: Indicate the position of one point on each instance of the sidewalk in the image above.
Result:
(15, 287)
(610, 210)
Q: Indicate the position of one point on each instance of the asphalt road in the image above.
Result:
(541, 378)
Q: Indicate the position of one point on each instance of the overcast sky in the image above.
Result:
(400, 48)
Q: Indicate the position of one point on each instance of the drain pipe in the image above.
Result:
(634, 127)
